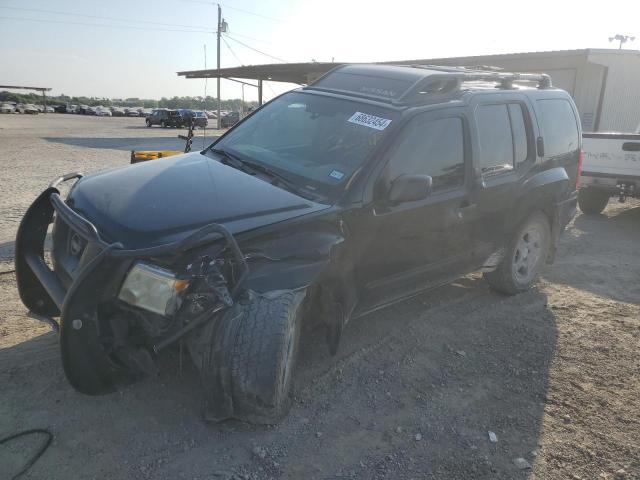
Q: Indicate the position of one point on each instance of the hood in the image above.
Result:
(162, 201)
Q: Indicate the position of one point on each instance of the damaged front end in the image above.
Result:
(118, 307)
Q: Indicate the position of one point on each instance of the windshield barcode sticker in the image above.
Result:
(370, 121)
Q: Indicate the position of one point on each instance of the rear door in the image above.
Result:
(560, 129)
(504, 151)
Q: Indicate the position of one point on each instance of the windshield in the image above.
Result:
(315, 141)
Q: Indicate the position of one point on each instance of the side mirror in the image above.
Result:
(407, 188)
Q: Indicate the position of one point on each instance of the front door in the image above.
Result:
(413, 245)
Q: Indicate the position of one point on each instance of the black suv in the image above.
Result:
(164, 117)
(371, 184)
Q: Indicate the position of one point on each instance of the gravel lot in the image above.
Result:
(413, 392)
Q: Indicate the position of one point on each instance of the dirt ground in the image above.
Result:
(413, 392)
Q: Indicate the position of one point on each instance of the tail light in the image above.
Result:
(580, 159)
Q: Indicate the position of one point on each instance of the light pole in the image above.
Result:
(222, 27)
(622, 39)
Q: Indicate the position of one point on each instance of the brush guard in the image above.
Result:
(88, 368)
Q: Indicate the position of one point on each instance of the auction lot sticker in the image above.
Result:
(370, 121)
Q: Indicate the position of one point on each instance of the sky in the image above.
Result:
(133, 48)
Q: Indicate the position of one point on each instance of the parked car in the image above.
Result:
(611, 168)
(230, 119)
(211, 114)
(7, 108)
(164, 117)
(131, 112)
(333, 200)
(117, 111)
(49, 109)
(198, 117)
(27, 108)
(102, 111)
(63, 108)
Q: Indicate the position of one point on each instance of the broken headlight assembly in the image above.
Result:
(152, 288)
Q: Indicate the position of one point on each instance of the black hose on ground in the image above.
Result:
(37, 455)
(7, 272)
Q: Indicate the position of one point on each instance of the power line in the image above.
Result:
(103, 25)
(57, 12)
(248, 12)
(252, 13)
(196, 28)
(231, 50)
(254, 49)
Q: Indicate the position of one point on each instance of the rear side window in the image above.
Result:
(494, 131)
(502, 134)
(431, 147)
(559, 126)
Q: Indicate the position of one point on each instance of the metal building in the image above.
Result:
(604, 83)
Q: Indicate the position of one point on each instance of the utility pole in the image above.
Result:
(622, 39)
(219, 31)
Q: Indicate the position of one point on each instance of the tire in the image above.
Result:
(524, 258)
(592, 201)
(264, 357)
(148, 123)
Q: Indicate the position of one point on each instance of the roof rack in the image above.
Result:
(504, 80)
(406, 84)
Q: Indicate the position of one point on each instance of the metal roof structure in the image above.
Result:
(305, 73)
(603, 82)
(38, 89)
(301, 73)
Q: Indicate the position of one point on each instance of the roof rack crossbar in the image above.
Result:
(504, 79)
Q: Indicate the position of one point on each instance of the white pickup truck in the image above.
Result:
(610, 168)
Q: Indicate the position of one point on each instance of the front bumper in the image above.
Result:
(96, 280)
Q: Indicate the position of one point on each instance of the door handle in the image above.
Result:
(465, 207)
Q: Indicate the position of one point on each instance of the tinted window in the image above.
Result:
(559, 127)
(434, 148)
(520, 146)
(494, 131)
(315, 141)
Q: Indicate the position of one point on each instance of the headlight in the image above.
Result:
(152, 288)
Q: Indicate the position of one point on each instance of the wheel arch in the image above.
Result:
(542, 192)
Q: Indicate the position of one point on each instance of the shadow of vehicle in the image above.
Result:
(598, 248)
(135, 143)
(415, 387)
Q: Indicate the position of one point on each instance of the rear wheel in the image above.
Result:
(524, 258)
(592, 201)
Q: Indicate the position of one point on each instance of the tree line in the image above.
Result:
(195, 103)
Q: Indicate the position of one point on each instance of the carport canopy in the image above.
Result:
(300, 73)
(37, 89)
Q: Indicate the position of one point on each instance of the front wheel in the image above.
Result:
(524, 258)
(264, 356)
(592, 201)
(148, 123)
